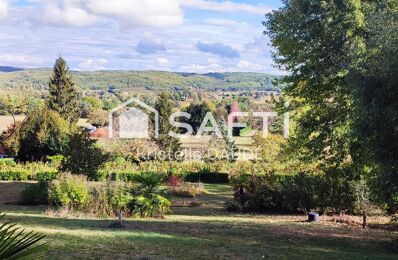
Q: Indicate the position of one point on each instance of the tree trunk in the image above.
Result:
(364, 219)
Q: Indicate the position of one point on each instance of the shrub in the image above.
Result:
(124, 176)
(55, 160)
(46, 175)
(7, 162)
(174, 182)
(152, 205)
(149, 196)
(36, 193)
(109, 198)
(69, 191)
(187, 189)
(83, 156)
(14, 174)
(334, 190)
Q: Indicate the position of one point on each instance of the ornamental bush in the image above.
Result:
(14, 174)
(7, 162)
(109, 199)
(332, 190)
(69, 191)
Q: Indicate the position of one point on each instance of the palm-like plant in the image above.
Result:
(150, 183)
(150, 200)
(15, 243)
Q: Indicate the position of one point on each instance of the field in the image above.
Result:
(206, 232)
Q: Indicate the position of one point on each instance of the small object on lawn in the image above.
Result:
(118, 224)
(313, 217)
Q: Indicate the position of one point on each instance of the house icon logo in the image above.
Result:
(131, 120)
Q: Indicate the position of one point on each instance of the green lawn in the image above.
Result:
(207, 232)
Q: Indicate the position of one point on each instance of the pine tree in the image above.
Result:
(63, 94)
(166, 143)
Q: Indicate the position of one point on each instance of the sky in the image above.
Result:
(172, 35)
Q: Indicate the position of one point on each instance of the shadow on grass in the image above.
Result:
(226, 238)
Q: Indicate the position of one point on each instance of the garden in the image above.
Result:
(322, 185)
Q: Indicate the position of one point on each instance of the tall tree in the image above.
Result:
(318, 43)
(63, 97)
(377, 101)
(170, 145)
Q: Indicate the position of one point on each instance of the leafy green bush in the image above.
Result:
(14, 174)
(334, 190)
(36, 193)
(83, 156)
(109, 199)
(7, 162)
(70, 191)
(55, 160)
(124, 176)
(46, 175)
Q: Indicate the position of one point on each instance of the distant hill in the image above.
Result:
(14, 78)
(9, 69)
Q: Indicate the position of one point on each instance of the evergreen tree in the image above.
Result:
(198, 112)
(166, 143)
(63, 94)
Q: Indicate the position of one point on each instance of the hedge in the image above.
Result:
(14, 174)
(333, 190)
(207, 177)
(46, 175)
(7, 162)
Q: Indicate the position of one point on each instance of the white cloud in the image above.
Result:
(69, 13)
(226, 6)
(246, 65)
(202, 68)
(260, 45)
(90, 64)
(20, 60)
(139, 13)
(3, 8)
(127, 13)
(162, 61)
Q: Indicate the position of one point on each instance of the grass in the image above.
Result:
(207, 232)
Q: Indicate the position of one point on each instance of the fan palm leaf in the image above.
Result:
(15, 243)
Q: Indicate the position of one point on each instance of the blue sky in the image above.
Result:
(175, 35)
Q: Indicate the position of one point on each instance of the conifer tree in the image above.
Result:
(63, 94)
(166, 143)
